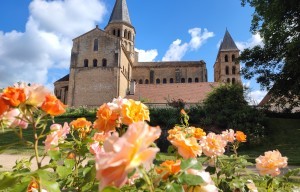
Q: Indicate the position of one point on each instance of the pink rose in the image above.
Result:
(13, 118)
(57, 135)
(213, 145)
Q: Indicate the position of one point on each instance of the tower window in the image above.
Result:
(104, 62)
(151, 77)
(182, 80)
(114, 32)
(157, 81)
(233, 70)
(146, 81)
(228, 80)
(233, 58)
(129, 35)
(140, 81)
(196, 79)
(96, 45)
(171, 80)
(86, 63)
(164, 80)
(125, 33)
(190, 80)
(233, 80)
(95, 62)
(227, 70)
(226, 58)
(119, 32)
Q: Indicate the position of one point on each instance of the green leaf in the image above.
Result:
(190, 164)
(48, 180)
(190, 179)
(173, 187)
(69, 163)
(10, 182)
(110, 189)
(55, 155)
(63, 171)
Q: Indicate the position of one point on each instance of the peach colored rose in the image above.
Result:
(53, 106)
(168, 167)
(213, 145)
(13, 118)
(57, 135)
(106, 119)
(270, 163)
(97, 145)
(207, 186)
(124, 154)
(36, 94)
(228, 135)
(198, 133)
(134, 111)
(13, 96)
(188, 147)
(3, 106)
(240, 136)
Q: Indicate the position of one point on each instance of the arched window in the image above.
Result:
(96, 45)
(129, 35)
(125, 33)
(151, 76)
(114, 32)
(171, 80)
(190, 80)
(95, 62)
(104, 62)
(228, 80)
(157, 81)
(119, 32)
(141, 81)
(146, 81)
(233, 58)
(233, 70)
(182, 80)
(226, 58)
(227, 70)
(164, 80)
(196, 80)
(86, 63)
(233, 80)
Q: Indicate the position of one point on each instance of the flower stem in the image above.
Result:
(147, 179)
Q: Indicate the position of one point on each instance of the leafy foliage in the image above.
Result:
(276, 63)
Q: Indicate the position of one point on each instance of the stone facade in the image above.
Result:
(104, 65)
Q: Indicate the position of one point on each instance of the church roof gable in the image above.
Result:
(228, 43)
(120, 13)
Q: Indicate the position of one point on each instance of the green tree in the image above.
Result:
(276, 64)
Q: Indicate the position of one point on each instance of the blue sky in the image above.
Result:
(36, 36)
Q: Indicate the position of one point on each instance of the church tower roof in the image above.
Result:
(228, 43)
(120, 13)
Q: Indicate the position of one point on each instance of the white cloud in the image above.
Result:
(147, 55)
(253, 41)
(46, 43)
(177, 50)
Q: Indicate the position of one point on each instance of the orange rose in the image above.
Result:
(134, 111)
(33, 186)
(82, 126)
(3, 106)
(13, 96)
(169, 167)
(198, 133)
(106, 119)
(240, 136)
(53, 106)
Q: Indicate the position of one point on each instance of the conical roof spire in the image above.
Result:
(228, 43)
(120, 13)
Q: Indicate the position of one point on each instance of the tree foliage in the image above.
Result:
(276, 64)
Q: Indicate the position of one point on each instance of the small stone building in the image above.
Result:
(104, 65)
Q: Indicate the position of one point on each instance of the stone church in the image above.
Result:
(104, 65)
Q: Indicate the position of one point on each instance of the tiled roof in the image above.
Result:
(228, 43)
(65, 78)
(120, 13)
(160, 93)
(169, 63)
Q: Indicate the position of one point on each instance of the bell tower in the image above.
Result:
(120, 26)
(226, 68)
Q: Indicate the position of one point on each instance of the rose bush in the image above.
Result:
(117, 152)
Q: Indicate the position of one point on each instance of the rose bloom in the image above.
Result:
(82, 126)
(198, 133)
(228, 135)
(97, 146)
(13, 96)
(117, 104)
(240, 136)
(134, 111)
(106, 119)
(168, 167)
(13, 118)
(207, 186)
(213, 145)
(3, 106)
(188, 147)
(53, 106)
(58, 134)
(36, 94)
(124, 154)
(271, 163)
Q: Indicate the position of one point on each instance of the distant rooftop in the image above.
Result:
(170, 64)
(65, 78)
